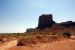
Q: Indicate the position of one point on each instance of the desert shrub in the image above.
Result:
(27, 40)
(66, 34)
(53, 33)
(39, 36)
(53, 37)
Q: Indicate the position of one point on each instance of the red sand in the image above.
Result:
(57, 45)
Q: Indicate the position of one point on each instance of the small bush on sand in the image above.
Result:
(66, 34)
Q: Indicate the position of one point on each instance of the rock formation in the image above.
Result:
(46, 24)
(68, 23)
(29, 30)
(45, 21)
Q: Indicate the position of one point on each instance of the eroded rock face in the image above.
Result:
(45, 21)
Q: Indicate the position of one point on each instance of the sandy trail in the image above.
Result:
(9, 44)
(58, 45)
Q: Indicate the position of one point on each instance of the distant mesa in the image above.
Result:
(29, 30)
(45, 21)
(68, 23)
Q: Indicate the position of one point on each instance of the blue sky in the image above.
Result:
(18, 15)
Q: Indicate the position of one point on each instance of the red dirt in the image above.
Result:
(57, 45)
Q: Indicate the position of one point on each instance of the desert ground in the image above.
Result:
(66, 44)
